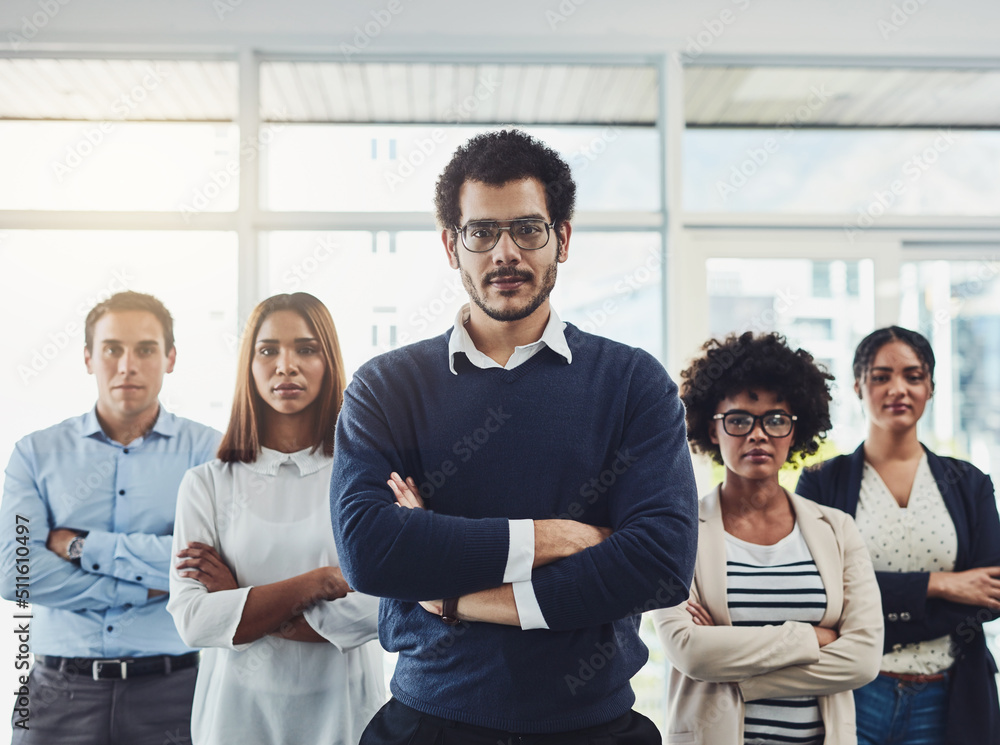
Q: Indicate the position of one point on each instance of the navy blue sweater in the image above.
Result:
(601, 440)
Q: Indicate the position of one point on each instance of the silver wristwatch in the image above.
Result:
(75, 548)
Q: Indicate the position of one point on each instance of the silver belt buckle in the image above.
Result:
(96, 668)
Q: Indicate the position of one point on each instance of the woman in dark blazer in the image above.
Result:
(931, 525)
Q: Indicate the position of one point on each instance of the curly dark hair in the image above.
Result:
(864, 355)
(766, 363)
(497, 158)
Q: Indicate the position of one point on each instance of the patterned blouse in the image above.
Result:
(918, 538)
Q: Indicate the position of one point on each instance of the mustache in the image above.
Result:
(508, 272)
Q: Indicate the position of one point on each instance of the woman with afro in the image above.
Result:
(784, 617)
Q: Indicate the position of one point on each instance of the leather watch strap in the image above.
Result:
(449, 611)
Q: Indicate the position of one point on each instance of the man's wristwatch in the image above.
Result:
(449, 611)
(75, 548)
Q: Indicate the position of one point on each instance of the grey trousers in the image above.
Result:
(74, 709)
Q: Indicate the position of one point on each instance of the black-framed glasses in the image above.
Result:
(529, 234)
(741, 423)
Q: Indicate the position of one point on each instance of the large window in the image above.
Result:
(956, 304)
(341, 168)
(863, 174)
(822, 306)
(166, 167)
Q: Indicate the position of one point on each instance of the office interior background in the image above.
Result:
(818, 168)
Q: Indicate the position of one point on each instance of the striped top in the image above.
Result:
(768, 585)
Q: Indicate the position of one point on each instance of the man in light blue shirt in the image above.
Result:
(86, 523)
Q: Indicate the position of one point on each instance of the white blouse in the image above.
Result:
(918, 538)
(270, 520)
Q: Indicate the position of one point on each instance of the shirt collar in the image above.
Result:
(165, 424)
(270, 461)
(554, 337)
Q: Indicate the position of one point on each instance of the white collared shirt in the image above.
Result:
(521, 554)
(553, 337)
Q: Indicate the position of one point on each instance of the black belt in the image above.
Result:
(120, 669)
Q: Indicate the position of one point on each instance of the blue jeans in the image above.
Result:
(893, 712)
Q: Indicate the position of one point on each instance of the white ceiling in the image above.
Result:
(854, 28)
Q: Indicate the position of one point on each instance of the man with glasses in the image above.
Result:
(88, 512)
(517, 491)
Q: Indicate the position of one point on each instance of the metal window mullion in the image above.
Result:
(250, 275)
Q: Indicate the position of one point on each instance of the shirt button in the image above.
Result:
(893, 617)
(111, 628)
(96, 567)
(139, 579)
(121, 491)
(125, 450)
(904, 616)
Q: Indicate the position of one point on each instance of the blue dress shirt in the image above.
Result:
(72, 475)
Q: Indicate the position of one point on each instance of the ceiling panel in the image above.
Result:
(118, 89)
(400, 92)
(484, 94)
(841, 97)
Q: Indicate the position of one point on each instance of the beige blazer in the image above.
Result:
(716, 669)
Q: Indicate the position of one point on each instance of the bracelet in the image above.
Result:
(449, 611)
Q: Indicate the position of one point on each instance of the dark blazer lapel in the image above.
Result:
(857, 468)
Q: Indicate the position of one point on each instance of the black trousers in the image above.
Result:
(398, 724)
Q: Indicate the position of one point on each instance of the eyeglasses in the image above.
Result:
(529, 234)
(742, 423)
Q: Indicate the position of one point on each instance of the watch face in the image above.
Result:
(75, 549)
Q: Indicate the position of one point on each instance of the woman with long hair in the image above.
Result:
(783, 618)
(931, 526)
(257, 580)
